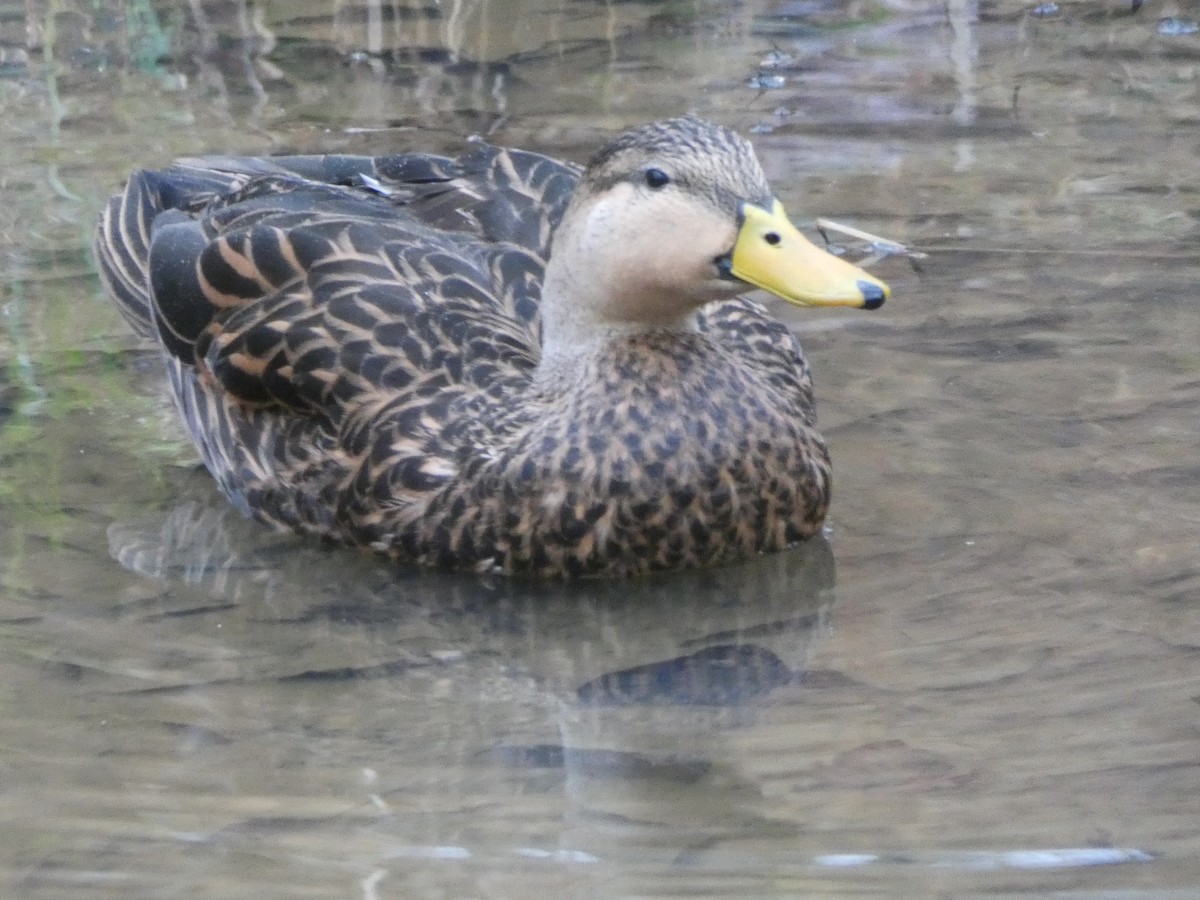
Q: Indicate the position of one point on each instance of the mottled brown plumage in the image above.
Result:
(362, 350)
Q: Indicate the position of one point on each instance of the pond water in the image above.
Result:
(984, 682)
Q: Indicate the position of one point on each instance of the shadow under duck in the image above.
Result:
(496, 362)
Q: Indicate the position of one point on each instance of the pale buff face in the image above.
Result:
(654, 250)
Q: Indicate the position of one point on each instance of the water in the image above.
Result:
(995, 693)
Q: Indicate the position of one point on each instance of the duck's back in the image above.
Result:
(298, 298)
(180, 248)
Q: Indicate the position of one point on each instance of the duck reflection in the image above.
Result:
(717, 675)
(721, 638)
(624, 705)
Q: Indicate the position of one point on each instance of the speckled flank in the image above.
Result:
(352, 343)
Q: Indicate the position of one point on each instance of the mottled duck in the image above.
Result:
(498, 362)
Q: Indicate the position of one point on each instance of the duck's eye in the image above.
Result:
(657, 178)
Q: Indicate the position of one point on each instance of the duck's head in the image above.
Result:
(672, 215)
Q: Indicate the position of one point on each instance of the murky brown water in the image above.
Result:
(998, 695)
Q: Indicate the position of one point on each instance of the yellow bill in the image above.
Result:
(771, 254)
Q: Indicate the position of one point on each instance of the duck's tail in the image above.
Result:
(122, 248)
(127, 224)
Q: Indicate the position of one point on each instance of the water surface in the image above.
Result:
(984, 683)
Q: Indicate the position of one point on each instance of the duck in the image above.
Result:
(496, 362)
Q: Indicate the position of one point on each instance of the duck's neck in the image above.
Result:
(566, 342)
(581, 315)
